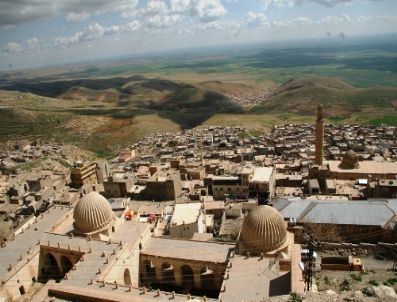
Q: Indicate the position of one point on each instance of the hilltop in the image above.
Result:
(340, 99)
(104, 114)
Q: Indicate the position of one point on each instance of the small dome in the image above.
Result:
(349, 160)
(92, 214)
(264, 230)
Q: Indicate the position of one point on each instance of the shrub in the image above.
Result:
(295, 297)
(327, 281)
(356, 277)
(374, 282)
(392, 281)
(345, 285)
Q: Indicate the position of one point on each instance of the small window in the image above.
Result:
(22, 290)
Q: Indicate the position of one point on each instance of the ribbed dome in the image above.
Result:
(349, 160)
(92, 214)
(263, 230)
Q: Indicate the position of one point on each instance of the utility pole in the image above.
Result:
(309, 263)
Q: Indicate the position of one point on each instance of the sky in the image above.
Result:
(36, 33)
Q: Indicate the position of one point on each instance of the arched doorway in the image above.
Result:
(127, 277)
(167, 273)
(207, 278)
(66, 264)
(50, 269)
(187, 277)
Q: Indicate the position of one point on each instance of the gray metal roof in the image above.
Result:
(375, 212)
(355, 212)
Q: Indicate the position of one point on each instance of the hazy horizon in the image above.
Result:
(47, 33)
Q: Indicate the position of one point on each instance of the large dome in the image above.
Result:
(349, 160)
(92, 214)
(263, 231)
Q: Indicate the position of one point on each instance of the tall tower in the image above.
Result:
(319, 135)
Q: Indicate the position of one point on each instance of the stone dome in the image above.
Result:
(92, 214)
(263, 231)
(349, 160)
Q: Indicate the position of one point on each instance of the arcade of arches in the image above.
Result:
(54, 263)
(181, 273)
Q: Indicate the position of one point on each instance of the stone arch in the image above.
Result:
(167, 273)
(50, 267)
(127, 277)
(66, 264)
(207, 278)
(149, 272)
(187, 276)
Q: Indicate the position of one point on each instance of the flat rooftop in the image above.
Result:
(187, 250)
(250, 279)
(186, 213)
(262, 174)
(366, 167)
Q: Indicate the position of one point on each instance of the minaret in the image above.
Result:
(319, 135)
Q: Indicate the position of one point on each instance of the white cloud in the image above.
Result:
(33, 43)
(229, 27)
(208, 10)
(96, 31)
(332, 20)
(12, 47)
(178, 6)
(14, 12)
(255, 19)
(155, 7)
(162, 21)
(77, 17)
(267, 4)
(277, 3)
(205, 10)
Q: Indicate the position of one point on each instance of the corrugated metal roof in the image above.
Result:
(359, 212)
(349, 212)
(295, 209)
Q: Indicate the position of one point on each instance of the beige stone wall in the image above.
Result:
(22, 278)
(60, 255)
(181, 270)
(126, 267)
(125, 270)
(184, 230)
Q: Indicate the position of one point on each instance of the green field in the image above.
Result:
(107, 105)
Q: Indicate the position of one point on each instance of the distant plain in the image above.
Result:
(103, 106)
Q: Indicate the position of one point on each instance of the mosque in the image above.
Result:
(90, 253)
(350, 167)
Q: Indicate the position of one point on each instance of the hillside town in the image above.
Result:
(206, 214)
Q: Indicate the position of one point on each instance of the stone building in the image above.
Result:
(163, 186)
(262, 183)
(187, 219)
(119, 184)
(339, 220)
(83, 173)
(86, 254)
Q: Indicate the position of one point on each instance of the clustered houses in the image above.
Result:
(202, 185)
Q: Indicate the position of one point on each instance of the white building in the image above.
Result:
(188, 218)
(263, 182)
